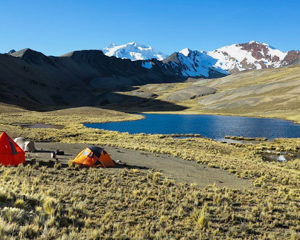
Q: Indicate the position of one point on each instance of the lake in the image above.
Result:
(212, 126)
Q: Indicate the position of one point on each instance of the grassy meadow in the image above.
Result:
(71, 203)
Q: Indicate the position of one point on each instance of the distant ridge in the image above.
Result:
(225, 60)
(31, 56)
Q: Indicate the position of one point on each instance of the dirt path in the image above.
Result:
(175, 168)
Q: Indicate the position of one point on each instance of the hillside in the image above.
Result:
(267, 93)
(30, 79)
(264, 93)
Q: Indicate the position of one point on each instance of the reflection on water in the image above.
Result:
(211, 126)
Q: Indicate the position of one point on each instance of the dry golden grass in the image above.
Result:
(98, 203)
(46, 203)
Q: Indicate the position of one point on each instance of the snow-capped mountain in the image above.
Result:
(251, 55)
(194, 64)
(133, 51)
(216, 63)
(229, 59)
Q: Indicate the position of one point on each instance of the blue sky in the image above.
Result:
(55, 27)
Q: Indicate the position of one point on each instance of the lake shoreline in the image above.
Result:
(219, 114)
(209, 126)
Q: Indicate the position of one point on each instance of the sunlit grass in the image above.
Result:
(133, 204)
(70, 203)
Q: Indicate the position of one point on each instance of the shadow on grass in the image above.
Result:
(58, 165)
(119, 102)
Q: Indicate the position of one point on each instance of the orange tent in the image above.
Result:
(10, 152)
(94, 157)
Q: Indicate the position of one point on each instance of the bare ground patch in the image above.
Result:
(172, 167)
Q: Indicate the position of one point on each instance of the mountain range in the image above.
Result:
(89, 77)
(225, 60)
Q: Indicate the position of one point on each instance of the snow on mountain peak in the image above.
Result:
(133, 51)
(251, 55)
(232, 58)
(185, 51)
(192, 63)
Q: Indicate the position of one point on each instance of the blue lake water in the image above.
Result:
(212, 126)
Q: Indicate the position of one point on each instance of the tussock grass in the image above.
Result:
(101, 203)
(133, 204)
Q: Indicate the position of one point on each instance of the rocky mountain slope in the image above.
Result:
(252, 55)
(194, 64)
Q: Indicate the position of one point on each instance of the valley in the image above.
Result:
(186, 188)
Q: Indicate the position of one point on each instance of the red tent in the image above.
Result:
(10, 152)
